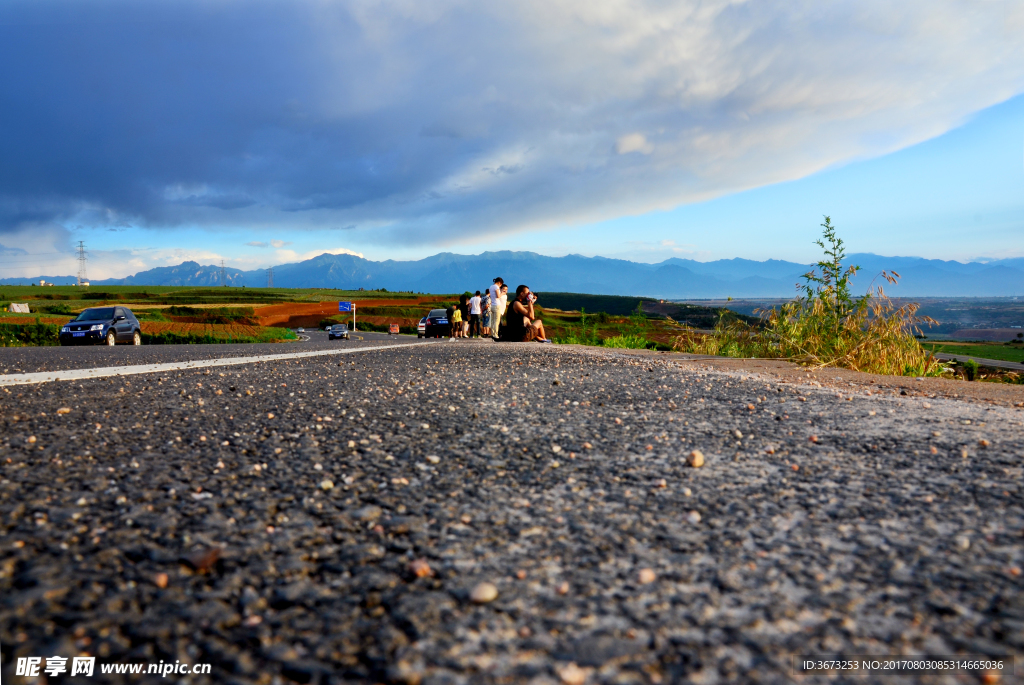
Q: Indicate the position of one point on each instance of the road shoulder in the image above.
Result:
(847, 381)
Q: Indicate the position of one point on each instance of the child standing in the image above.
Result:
(456, 323)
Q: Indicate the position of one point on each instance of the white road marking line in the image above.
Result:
(105, 371)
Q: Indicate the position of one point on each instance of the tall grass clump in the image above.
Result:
(628, 342)
(827, 326)
(632, 336)
(582, 334)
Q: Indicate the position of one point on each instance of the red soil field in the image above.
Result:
(24, 320)
(309, 314)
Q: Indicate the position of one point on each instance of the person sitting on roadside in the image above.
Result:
(522, 324)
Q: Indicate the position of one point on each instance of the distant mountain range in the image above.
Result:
(670, 279)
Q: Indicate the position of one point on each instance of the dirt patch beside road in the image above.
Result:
(25, 320)
(849, 382)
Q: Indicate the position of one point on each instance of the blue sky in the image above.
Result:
(260, 133)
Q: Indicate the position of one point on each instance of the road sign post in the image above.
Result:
(349, 307)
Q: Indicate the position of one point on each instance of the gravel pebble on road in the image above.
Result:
(442, 548)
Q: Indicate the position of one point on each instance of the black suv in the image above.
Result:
(437, 325)
(102, 325)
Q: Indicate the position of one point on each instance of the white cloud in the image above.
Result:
(257, 243)
(548, 113)
(293, 256)
(119, 263)
(659, 250)
(713, 97)
(633, 142)
(35, 249)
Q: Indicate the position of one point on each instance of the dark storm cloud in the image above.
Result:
(427, 121)
(155, 112)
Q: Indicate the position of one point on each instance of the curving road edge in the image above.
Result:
(102, 372)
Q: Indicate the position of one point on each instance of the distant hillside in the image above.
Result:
(671, 279)
(615, 305)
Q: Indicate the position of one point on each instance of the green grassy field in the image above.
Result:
(609, 320)
(1008, 352)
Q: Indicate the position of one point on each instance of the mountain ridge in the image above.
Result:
(672, 278)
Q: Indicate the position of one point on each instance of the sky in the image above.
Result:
(266, 132)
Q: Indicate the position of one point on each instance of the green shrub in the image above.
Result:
(36, 334)
(149, 315)
(629, 342)
(828, 327)
(970, 368)
(580, 335)
(637, 324)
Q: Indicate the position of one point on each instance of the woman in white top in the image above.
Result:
(502, 305)
(497, 306)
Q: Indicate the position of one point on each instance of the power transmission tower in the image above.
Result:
(270, 277)
(223, 276)
(82, 277)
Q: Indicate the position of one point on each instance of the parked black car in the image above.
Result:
(437, 325)
(102, 326)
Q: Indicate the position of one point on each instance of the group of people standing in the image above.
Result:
(480, 315)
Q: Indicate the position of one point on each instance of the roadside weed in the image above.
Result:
(828, 327)
(628, 342)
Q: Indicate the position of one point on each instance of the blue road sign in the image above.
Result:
(344, 306)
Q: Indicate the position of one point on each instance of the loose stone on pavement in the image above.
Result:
(482, 593)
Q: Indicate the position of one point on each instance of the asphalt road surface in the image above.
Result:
(19, 360)
(471, 512)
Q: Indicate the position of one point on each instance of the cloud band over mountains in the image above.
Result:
(427, 123)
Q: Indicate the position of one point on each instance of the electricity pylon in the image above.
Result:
(82, 277)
